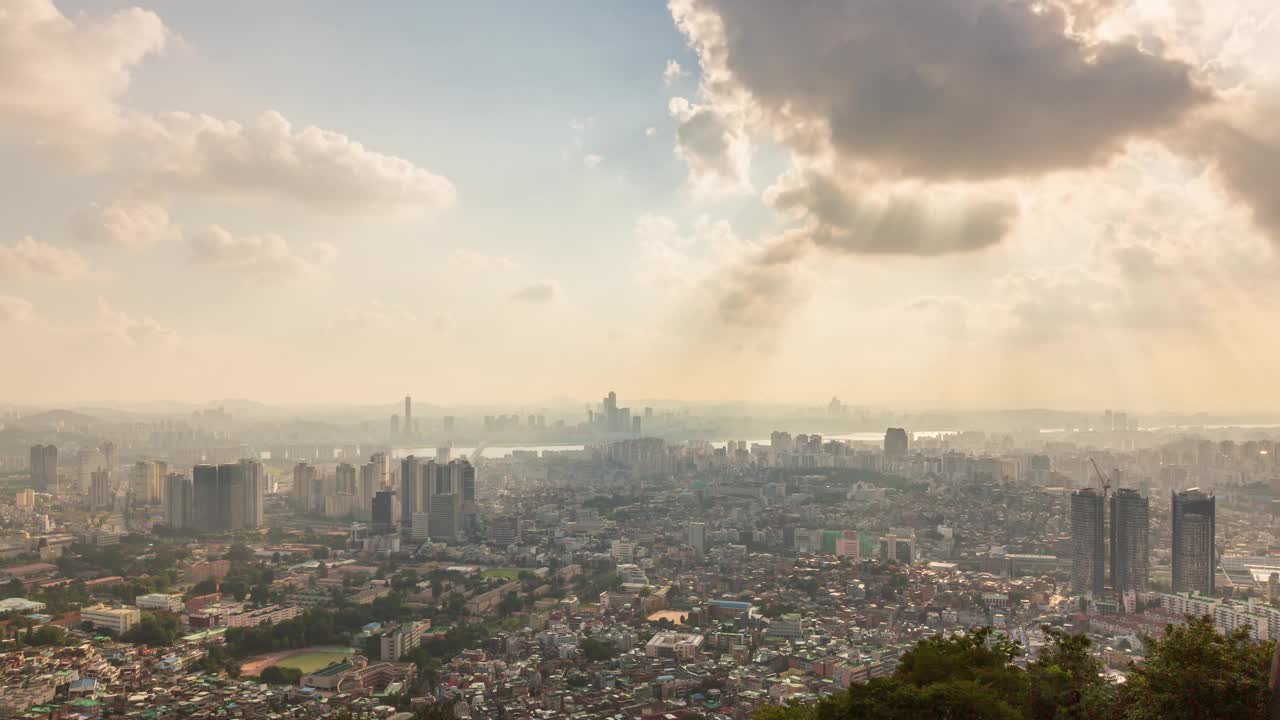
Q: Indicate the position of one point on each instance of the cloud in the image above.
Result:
(30, 257)
(266, 255)
(967, 89)
(714, 145)
(14, 310)
(890, 221)
(672, 72)
(126, 223)
(321, 169)
(62, 79)
(537, 293)
(1246, 158)
(134, 331)
(591, 161)
(650, 132)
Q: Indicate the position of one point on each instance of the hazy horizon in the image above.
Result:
(974, 205)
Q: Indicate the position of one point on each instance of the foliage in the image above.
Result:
(1195, 672)
(596, 650)
(277, 675)
(1191, 673)
(155, 630)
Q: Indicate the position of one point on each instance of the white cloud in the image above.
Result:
(61, 79)
(650, 131)
(130, 330)
(324, 170)
(266, 255)
(591, 161)
(673, 72)
(127, 223)
(14, 310)
(537, 293)
(30, 257)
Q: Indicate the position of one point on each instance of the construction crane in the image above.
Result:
(1106, 481)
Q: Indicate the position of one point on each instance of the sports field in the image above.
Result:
(504, 573)
(307, 659)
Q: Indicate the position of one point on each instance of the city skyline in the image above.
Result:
(190, 182)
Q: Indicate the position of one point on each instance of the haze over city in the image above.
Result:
(479, 202)
(683, 360)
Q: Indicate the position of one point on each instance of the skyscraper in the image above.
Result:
(146, 481)
(1130, 545)
(408, 416)
(1193, 546)
(1088, 544)
(304, 478)
(895, 442)
(253, 484)
(177, 501)
(44, 468)
(345, 478)
(366, 486)
(100, 490)
(444, 501)
(226, 497)
(382, 512)
(410, 489)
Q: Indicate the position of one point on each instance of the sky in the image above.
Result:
(906, 203)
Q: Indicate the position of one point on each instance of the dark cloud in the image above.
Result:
(1248, 164)
(955, 89)
(844, 220)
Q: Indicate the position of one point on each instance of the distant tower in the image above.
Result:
(1130, 541)
(410, 489)
(895, 443)
(1194, 549)
(408, 416)
(1088, 548)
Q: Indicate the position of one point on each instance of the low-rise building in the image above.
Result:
(118, 620)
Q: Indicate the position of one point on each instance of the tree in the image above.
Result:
(322, 571)
(596, 650)
(277, 675)
(1195, 672)
(1065, 681)
(155, 630)
(239, 553)
(47, 635)
(15, 588)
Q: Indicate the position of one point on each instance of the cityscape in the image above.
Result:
(673, 360)
(156, 566)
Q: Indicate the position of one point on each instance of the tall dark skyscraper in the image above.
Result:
(226, 497)
(44, 468)
(895, 442)
(1130, 542)
(1088, 542)
(383, 502)
(411, 490)
(1194, 548)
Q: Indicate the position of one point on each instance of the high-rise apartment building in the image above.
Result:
(253, 487)
(227, 497)
(1088, 542)
(1130, 545)
(411, 495)
(366, 486)
(698, 537)
(1193, 548)
(345, 478)
(305, 478)
(44, 468)
(178, 499)
(146, 481)
(100, 490)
